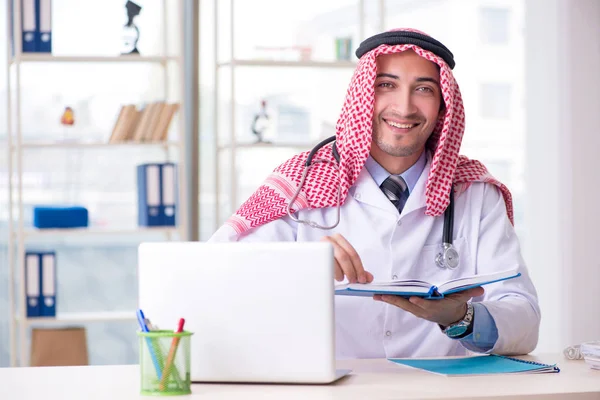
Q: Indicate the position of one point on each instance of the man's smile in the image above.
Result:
(401, 126)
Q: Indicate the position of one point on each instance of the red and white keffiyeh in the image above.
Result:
(353, 141)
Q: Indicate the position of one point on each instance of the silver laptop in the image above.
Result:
(260, 312)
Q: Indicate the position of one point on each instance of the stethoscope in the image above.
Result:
(447, 258)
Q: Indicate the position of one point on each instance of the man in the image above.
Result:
(398, 139)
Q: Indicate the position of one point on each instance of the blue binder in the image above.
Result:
(40, 283)
(29, 25)
(43, 37)
(33, 283)
(168, 205)
(48, 297)
(157, 194)
(149, 194)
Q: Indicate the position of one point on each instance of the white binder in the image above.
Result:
(32, 273)
(29, 26)
(44, 40)
(168, 194)
(48, 304)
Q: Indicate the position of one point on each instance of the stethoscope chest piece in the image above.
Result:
(447, 258)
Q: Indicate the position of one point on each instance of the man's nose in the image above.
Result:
(403, 102)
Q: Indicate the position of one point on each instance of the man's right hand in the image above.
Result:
(347, 261)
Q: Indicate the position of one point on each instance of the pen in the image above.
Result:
(151, 349)
(171, 357)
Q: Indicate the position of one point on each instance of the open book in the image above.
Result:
(412, 287)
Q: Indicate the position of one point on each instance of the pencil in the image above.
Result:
(169, 364)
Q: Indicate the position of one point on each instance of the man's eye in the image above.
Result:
(384, 85)
(425, 89)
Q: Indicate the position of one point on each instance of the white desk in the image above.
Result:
(371, 379)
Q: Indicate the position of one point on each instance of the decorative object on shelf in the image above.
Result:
(68, 116)
(157, 194)
(46, 217)
(59, 347)
(343, 48)
(261, 123)
(40, 283)
(131, 33)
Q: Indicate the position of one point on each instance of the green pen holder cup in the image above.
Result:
(165, 363)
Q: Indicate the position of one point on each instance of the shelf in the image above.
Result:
(66, 144)
(301, 146)
(82, 317)
(97, 231)
(297, 64)
(44, 57)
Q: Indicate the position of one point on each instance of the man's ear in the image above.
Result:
(442, 110)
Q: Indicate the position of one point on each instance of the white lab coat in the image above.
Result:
(392, 245)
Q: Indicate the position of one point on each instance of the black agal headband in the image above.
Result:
(393, 38)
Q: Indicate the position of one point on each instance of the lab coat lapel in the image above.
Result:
(366, 191)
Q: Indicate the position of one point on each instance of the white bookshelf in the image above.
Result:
(280, 145)
(93, 231)
(288, 64)
(49, 58)
(82, 317)
(76, 145)
(19, 149)
(225, 65)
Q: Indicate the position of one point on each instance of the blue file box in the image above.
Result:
(60, 217)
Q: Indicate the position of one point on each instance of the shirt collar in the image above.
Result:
(410, 176)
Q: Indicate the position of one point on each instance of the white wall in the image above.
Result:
(563, 167)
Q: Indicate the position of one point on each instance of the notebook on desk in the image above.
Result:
(477, 365)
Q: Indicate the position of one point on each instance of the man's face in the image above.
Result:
(407, 103)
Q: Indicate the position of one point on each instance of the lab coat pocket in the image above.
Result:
(429, 270)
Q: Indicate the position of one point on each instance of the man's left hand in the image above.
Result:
(445, 312)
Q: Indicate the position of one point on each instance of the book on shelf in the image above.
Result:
(428, 290)
(146, 125)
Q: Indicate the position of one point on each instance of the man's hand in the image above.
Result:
(445, 312)
(347, 261)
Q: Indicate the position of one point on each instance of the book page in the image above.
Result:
(459, 284)
(407, 286)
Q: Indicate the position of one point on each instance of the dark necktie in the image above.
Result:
(396, 191)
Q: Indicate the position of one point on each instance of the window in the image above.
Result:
(500, 169)
(494, 100)
(494, 26)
